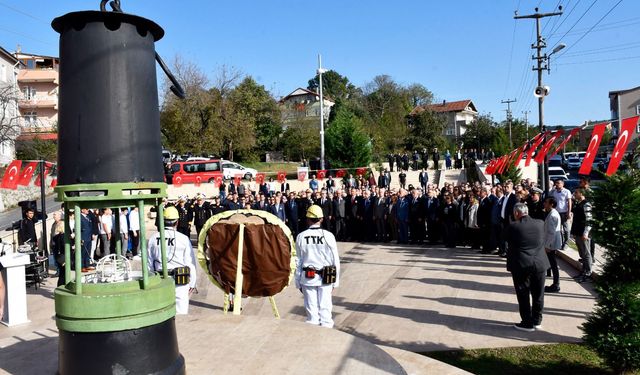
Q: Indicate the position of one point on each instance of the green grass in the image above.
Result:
(273, 167)
(552, 359)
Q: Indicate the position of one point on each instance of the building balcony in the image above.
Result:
(38, 75)
(38, 102)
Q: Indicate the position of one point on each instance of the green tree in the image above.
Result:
(348, 145)
(613, 329)
(481, 134)
(301, 140)
(334, 85)
(425, 131)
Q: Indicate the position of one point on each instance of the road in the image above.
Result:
(9, 216)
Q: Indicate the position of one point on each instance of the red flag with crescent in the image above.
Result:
(27, 173)
(11, 175)
(534, 146)
(490, 167)
(503, 163)
(361, 171)
(626, 131)
(237, 178)
(260, 178)
(547, 146)
(566, 140)
(282, 176)
(198, 180)
(54, 182)
(321, 174)
(218, 181)
(592, 150)
(341, 173)
(177, 181)
(47, 168)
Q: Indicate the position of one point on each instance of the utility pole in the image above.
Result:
(509, 117)
(320, 71)
(526, 121)
(543, 170)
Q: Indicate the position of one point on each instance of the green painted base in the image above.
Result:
(114, 307)
(120, 194)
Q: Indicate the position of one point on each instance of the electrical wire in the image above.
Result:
(553, 30)
(609, 26)
(513, 41)
(600, 61)
(595, 51)
(26, 36)
(578, 21)
(24, 13)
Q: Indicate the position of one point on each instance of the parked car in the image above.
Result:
(230, 169)
(572, 184)
(555, 161)
(573, 162)
(557, 173)
(189, 172)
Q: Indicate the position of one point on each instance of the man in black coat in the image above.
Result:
(27, 231)
(484, 219)
(506, 215)
(291, 214)
(339, 214)
(436, 159)
(528, 264)
(432, 209)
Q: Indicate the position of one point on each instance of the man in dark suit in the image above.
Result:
(432, 208)
(339, 212)
(327, 209)
(423, 177)
(508, 202)
(284, 187)
(291, 214)
(484, 219)
(528, 264)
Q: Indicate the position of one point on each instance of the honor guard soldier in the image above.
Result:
(318, 269)
(201, 212)
(180, 259)
(184, 221)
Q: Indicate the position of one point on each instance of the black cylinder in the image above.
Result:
(148, 350)
(108, 120)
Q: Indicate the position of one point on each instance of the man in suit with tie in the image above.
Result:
(432, 207)
(277, 208)
(291, 213)
(484, 219)
(331, 187)
(380, 215)
(402, 214)
(367, 223)
(506, 214)
(284, 187)
(528, 263)
(424, 179)
(327, 210)
(339, 212)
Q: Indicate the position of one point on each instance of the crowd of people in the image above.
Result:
(416, 160)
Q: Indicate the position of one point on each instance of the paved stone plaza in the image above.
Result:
(411, 298)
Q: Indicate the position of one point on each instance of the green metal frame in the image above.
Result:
(118, 306)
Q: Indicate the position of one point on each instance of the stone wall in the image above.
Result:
(10, 198)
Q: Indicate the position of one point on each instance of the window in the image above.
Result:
(3, 73)
(638, 110)
(29, 93)
(175, 168)
(210, 167)
(31, 118)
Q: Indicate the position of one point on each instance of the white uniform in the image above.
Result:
(317, 247)
(179, 254)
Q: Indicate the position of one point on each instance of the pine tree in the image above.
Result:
(348, 145)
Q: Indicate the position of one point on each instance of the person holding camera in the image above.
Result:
(318, 269)
(180, 258)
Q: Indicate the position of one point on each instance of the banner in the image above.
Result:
(54, 182)
(198, 180)
(566, 140)
(260, 178)
(218, 181)
(547, 146)
(321, 174)
(282, 176)
(626, 131)
(341, 173)
(592, 150)
(504, 159)
(27, 173)
(361, 171)
(237, 178)
(302, 173)
(11, 175)
(177, 181)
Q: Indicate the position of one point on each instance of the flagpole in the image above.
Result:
(44, 209)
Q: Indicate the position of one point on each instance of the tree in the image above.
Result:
(418, 95)
(334, 85)
(301, 140)
(613, 329)
(348, 145)
(9, 117)
(425, 131)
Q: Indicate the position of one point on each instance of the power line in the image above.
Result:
(24, 13)
(523, 77)
(513, 42)
(582, 16)
(599, 61)
(608, 26)
(549, 21)
(596, 51)
(26, 36)
(553, 30)
(588, 31)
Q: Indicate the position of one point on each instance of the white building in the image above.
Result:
(303, 105)
(9, 115)
(459, 115)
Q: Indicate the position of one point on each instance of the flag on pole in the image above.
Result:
(47, 168)
(11, 175)
(361, 171)
(566, 140)
(218, 181)
(321, 174)
(592, 150)
(237, 179)
(260, 178)
(27, 173)
(626, 131)
(535, 143)
(547, 146)
(341, 173)
(282, 176)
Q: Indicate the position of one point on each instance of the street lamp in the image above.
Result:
(320, 71)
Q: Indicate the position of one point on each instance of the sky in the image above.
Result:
(462, 49)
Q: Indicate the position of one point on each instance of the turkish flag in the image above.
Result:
(218, 181)
(321, 174)
(54, 182)
(237, 179)
(11, 175)
(566, 140)
(27, 173)
(47, 168)
(341, 173)
(522, 149)
(361, 171)
(282, 176)
(503, 163)
(534, 146)
(198, 180)
(490, 167)
(260, 178)
(626, 131)
(592, 150)
(177, 181)
(547, 146)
